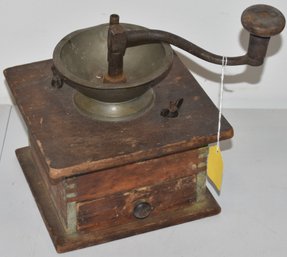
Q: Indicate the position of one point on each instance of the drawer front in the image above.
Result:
(135, 175)
(135, 205)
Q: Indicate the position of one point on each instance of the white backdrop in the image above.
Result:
(30, 30)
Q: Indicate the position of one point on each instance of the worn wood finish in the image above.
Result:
(121, 187)
(73, 144)
(70, 240)
(88, 177)
(140, 174)
(57, 191)
(118, 209)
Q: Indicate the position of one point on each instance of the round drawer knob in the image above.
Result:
(142, 210)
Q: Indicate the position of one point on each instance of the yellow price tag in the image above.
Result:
(215, 166)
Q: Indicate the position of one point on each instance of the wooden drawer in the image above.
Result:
(145, 203)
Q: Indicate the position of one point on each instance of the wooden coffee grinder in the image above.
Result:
(119, 129)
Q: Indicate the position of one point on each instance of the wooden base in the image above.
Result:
(67, 241)
(97, 181)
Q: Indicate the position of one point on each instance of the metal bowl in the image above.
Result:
(80, 59)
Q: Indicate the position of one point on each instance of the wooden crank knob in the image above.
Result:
(263, 20)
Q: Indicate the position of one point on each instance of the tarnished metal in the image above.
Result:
(80, 59)
(108, 111)
(142, 210)
(262, 21)
(173, 109)
(112, 66)
(57, 81)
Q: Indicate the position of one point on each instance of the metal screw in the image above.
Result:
(173, 109)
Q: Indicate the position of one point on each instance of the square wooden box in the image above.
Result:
(99, 181)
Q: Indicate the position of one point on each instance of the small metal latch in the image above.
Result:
(173, 109)
(56, 81)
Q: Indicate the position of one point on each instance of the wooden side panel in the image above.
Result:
(118, 209)
(57, 190)
(141, 174)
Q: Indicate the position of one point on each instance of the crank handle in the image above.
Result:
(262, 22)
